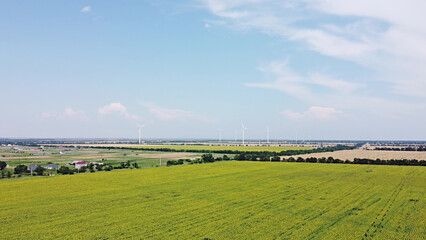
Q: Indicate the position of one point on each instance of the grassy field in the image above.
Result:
(223, 200)
(231, 148)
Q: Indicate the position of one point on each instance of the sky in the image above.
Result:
(307, 69)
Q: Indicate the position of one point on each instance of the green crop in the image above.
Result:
(222, 200)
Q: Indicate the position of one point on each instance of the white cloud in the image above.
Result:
(388, 37)
(68, 113)
(338, 93)
(303, 87)
(117, 109)
(86, 9)
(174, 114)
(314, 113)
(332, 45)
(49, 114)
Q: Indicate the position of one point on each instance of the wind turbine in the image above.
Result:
(267, 134)
(220, 134)
(296, 135)
(244, 130)
(140, 126)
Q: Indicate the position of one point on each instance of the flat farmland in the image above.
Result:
(249, 148)
(370, 154)
(225, 148)
(222, 200)
(47, 155)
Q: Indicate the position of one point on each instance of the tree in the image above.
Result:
(64, 170)
(20, 169)
(91, 168)
(39, 170)
(2, 165)
(99, 167)
(207, 158)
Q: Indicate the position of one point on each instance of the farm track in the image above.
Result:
(377, 224)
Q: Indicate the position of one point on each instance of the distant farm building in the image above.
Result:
(78, 165)
(32, 168)
(52, 166)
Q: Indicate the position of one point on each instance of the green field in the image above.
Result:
(222, 200)
(113, 156)
(226, 148)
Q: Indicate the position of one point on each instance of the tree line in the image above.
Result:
(205, 158)
(406, 162)
(417, 149)
(208, 158)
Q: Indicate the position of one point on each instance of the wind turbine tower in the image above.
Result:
(244, 130)
(267, 134)
(140, 127)
(220, 134)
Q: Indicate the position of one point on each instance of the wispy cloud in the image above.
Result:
(86, 9)
(68, 113)
(335, 92)
(314, 113)
(303, 86)
(116, 109)
(71, 113)
(49, 114)
(168, 114)
(387, 37)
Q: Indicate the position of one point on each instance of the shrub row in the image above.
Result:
(418, 149)
(208, 158)
(205, 158)
(406, 162)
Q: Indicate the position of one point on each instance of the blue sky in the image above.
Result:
(334, 69)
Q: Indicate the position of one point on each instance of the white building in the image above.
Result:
(78, 165)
